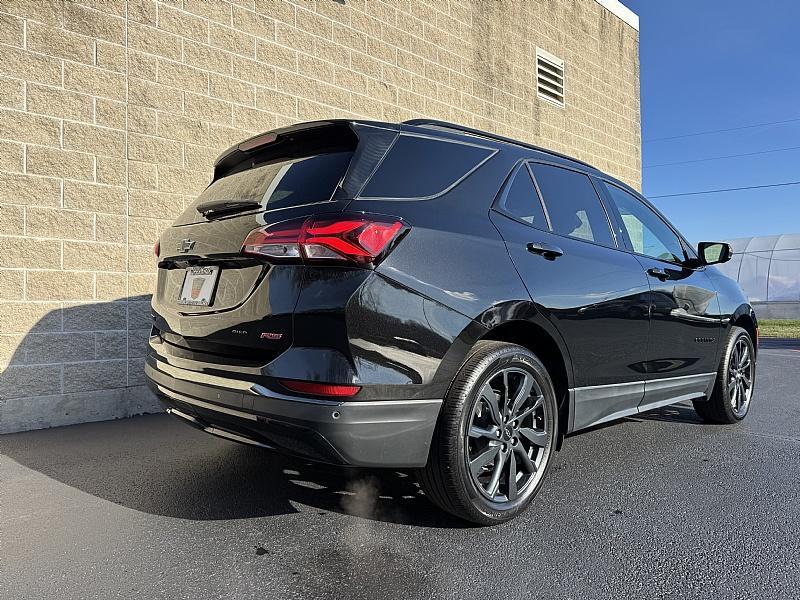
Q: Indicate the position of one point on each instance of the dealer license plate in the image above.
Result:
(198, 286)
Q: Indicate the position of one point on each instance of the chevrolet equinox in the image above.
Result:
(428, 296)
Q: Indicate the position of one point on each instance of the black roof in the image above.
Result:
(491, 136)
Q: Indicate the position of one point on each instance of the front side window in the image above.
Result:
(648, 233)
(522, 201)
(572, 204)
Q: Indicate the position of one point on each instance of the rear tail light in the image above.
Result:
(320, 389)
(157, 248)
(360, 239)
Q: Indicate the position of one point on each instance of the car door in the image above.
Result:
(685, 325)
(595, 294)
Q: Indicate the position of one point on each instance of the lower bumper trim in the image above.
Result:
(206, 405)
(391, 433)
(216, 431)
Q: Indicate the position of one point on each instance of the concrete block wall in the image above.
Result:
(112, 112)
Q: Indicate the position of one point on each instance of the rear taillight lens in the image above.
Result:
(320, 389)
(360, 239)
(157, 248)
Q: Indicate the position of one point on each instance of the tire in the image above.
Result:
(459, 477)
(732, 395)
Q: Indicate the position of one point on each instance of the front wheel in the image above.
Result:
(736, 377)
(495, 436)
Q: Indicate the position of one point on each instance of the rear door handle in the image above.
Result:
(549, 251)
(658, 273)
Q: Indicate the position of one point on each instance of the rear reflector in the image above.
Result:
(320, 389)
(360, 239)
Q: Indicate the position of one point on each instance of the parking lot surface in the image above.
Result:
(658, 506)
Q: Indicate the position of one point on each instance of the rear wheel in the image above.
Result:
(495, 435)
(733, 389)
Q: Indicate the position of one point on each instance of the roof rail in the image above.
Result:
(491, 136)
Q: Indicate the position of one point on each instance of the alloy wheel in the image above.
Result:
(507, 439)
(740, 377)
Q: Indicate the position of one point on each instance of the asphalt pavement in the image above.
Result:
(658, 506)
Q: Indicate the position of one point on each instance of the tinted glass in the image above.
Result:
(648, 232)
(523, 202)
(279, 184)
(573, 204)
(420, 167)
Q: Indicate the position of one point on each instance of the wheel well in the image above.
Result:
(746, 322)
(538, 341)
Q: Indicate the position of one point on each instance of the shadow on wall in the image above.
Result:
(63, 363)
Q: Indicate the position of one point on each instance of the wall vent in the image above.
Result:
(549, 77)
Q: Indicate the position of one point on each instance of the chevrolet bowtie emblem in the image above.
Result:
(186, 245)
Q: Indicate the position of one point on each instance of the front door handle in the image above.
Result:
(658, 273)
(549, 251)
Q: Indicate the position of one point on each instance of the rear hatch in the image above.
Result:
(212, 302)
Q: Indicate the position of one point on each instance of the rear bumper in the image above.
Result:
(388, 433)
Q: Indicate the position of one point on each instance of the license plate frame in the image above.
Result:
(199, 286)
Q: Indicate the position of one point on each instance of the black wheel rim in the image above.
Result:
(740, 377)
(508, 439)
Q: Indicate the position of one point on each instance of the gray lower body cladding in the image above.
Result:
(390, 433)
(592, 405)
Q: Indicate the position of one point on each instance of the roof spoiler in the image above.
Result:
(331, 135)
(238, 153)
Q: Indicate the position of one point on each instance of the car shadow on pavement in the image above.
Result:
(676, 413)
(158, 465)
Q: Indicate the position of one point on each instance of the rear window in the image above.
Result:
(420, 167)
(277, 184)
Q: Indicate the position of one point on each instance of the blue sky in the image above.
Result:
(718, 64)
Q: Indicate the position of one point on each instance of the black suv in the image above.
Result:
(425, 295)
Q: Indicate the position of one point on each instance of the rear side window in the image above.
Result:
(573, 204)
(277, 184)
(420, 167)
(522, 200)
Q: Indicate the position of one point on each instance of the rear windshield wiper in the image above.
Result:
(218, 208)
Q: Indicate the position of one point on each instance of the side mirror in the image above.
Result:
(712, 253)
